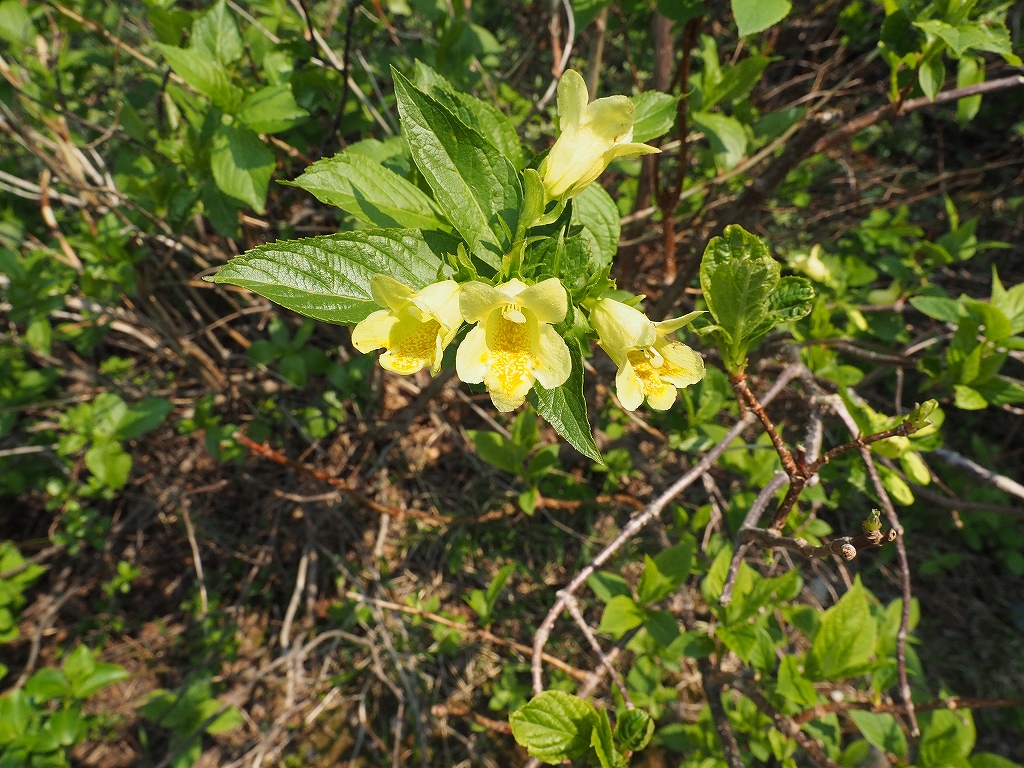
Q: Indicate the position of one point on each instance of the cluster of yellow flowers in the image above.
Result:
(513, 344)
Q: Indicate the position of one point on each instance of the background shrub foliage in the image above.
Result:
(228, 538)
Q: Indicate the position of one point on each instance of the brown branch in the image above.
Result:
(788, 727)
(713, 694)
(901, 550)
(952, 703)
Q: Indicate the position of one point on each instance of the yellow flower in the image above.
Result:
(592, 135)
(513, 344)
(414, 329)
(651, 365)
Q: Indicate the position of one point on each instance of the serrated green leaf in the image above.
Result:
(882, 730)
(757, 15)
(602, 743)
(204, 74)
(620, 615)
(328, 277)
(489, 122)
(242, 165)
(990, 760)
(271, 109)
(738, 277)
(565, 409)
(554, 726)
(634, 729)
(371, 192)
(947, 737)
(595, 210)
(666, 572)
(473, 183)
(655, 115)
(845, 640)
(793, 685)
(216, 33)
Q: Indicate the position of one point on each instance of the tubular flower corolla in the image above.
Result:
(651, 365)
(592, 135)
(513, 344)
(415, 327)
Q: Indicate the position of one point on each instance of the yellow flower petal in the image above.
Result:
(546, 299)
(590, 137)
(374, 331)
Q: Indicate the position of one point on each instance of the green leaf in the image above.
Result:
(371, 192)
(990, 760)
(634, 729)
(565, 409)
(489, 122)
(585, 11)
(737, 81)
(271, 110)
(595, 210)
(620, 615)
(67, 725)
(846, 639)
(228, 719)
(680, 11)
(931, 76)
(242, 165)
(109, 463)
(968, 398)
(475, 185)
(608, 585)
(938, 307)
(757, 15)
(655, 115)
(79, 664)
(554, 726)
(15, 713)
(602, 743)
(15, 23)
(103, 675)
(664, 574)
(497, 451)
(947, 737)
(204, 74)
(900, 35)
(145, 416)
(1009, 302)
(47, 684)
(662, 626)
(216, 33)
(726, 134)
(745, 294)
(328, 277)
(881, 730)
(970, 71)
(793, 685)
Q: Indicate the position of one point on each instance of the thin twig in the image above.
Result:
(573, 607)
(563, 61)
(652, 510)
(901, 639)
(197, 561)
(713, 694)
